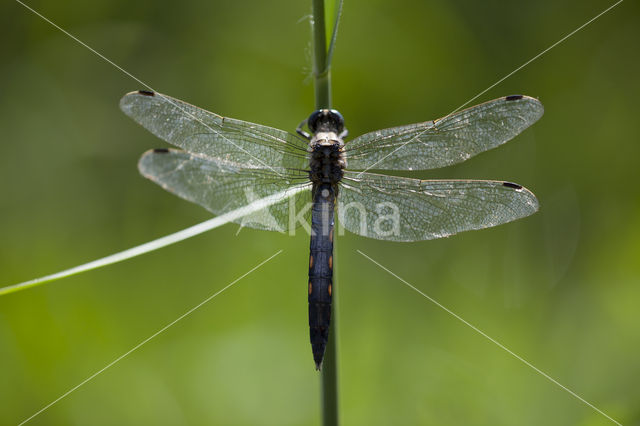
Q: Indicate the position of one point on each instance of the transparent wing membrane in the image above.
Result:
(228, 164)
(445, 141)
(202, 132)
(403, 209)
(223, 186)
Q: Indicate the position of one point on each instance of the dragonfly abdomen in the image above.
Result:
(321, 269)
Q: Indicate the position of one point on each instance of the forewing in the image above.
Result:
(448, 140)
(202, 132)
(403, 209)
(221, 187)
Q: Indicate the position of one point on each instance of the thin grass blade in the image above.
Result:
(158, 243)
(334, 32)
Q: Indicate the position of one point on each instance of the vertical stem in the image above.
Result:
(322, 83)
(321, 74)
(329, 364)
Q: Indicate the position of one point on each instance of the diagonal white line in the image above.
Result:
(184, 111)
(492, 340)
(496, 83)
(535, 57)
(85, 45)
(190, 311)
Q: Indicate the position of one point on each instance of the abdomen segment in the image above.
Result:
(321, 269)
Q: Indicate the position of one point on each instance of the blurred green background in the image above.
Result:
(560, 288)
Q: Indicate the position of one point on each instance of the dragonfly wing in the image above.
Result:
(402, 209)
(202, 132)
(221, 187)
(448, 140)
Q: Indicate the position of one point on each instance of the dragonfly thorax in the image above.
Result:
(327, 161)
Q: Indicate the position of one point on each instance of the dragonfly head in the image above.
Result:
(326, 120)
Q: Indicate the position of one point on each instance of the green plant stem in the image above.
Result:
(329, 365)
(321, 72)
(322, 84)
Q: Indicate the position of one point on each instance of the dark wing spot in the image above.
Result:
(513, 97)
(160, 150)
(511, 185)
(146, 92)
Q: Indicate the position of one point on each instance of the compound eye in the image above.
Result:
(337, 119)
(312, 121)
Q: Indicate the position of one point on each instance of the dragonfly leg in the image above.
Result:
(302, 132)
(344, 134)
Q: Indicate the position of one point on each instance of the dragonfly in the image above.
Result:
(223, 164)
